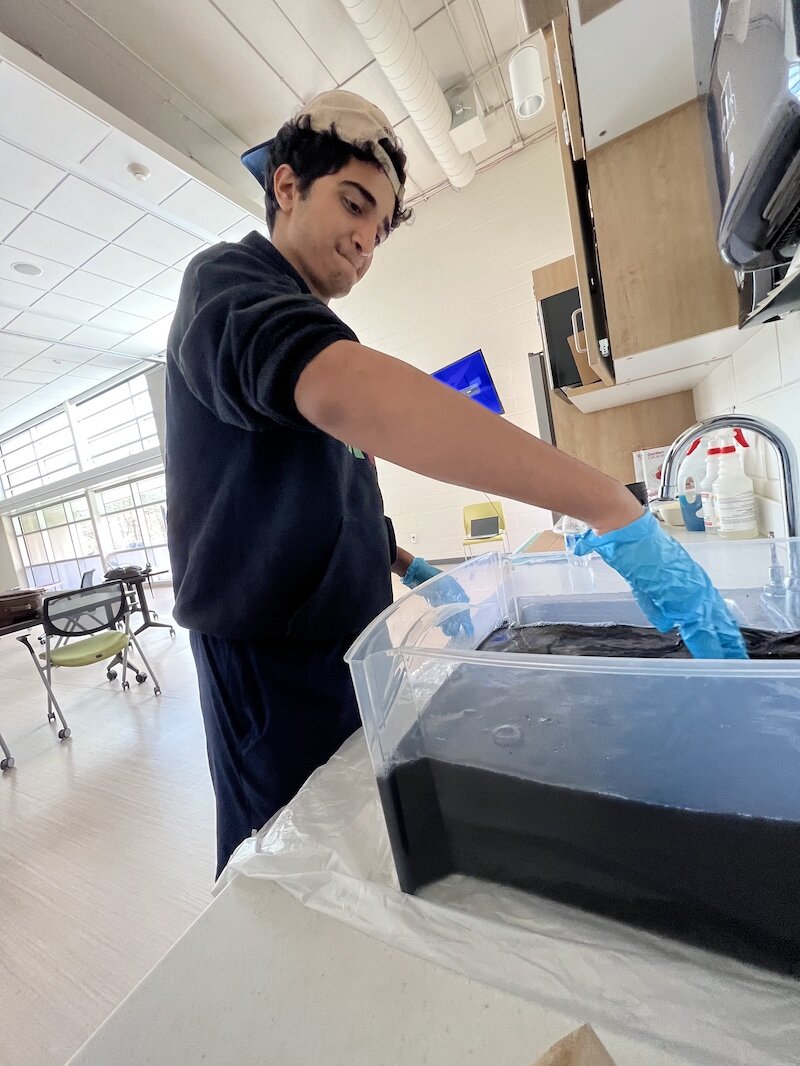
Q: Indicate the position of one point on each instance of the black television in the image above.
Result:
(471, 377)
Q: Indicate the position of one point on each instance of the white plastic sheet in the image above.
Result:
(329, 848)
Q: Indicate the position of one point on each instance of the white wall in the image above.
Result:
(762, 378)
(459, 278)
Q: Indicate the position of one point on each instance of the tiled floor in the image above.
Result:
(106, 842)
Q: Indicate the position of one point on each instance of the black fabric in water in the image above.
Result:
(616, 641)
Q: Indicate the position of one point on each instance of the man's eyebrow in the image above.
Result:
(370, 200)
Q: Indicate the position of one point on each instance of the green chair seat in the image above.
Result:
(90, 649)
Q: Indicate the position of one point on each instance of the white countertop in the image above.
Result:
(261, 980)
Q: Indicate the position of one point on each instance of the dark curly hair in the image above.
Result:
(313, 155)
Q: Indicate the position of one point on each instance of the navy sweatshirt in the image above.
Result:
(275, 528)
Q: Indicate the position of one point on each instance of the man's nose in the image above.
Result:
(364, 241)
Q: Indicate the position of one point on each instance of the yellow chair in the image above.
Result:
(474, 514)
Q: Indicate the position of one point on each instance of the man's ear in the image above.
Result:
(284, 184)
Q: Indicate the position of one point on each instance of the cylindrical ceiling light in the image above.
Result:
(527, 81)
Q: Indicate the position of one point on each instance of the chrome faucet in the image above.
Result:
(783, 446)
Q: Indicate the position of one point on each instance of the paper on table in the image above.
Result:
(582, 1047)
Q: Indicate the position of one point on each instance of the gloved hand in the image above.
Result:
(446, 591)
(669, 586)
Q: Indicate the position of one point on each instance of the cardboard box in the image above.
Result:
(647, 468)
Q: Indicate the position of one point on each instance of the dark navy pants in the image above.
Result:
(273, 713)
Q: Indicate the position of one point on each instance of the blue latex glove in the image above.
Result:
(669, 586)
(446, 591)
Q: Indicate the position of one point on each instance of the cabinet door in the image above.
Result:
(565, 70)
(663, 278)
(557, 320)
(578, 202)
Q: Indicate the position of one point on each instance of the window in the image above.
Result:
(58, 543)
(133, 523)
(118, 422)
(38, 456)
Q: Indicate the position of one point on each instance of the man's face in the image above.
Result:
(331, 232)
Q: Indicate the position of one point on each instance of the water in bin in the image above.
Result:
(656, 791)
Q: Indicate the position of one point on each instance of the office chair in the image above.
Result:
(84, 625)
(484, 523)
(87, 579)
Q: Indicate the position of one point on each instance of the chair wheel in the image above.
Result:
(154, 615)
(126, 685)
(7, 764)
(51, 716)
(64, 733)
(172, 632)
(141, 678)
(111, 675)
(156, 691)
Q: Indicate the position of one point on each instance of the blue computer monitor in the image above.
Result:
(471, 377)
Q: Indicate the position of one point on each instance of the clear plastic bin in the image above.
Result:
(665, 793)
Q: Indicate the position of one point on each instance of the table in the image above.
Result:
(135, 584)
(262, 980)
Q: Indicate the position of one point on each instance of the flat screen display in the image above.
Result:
(471, 377)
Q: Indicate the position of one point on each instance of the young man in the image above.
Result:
(280, 550)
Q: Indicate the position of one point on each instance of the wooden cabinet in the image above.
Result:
(555, 288)
(589, 284)
(663, 277)
(655, 295)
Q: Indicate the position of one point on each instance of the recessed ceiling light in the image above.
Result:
(139, 171)
(31, 269)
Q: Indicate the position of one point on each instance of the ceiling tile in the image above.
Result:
(111, 159)
(87, 374)
(62, 243)
(67, 307)
(330, 32)
(243, 227)
(26, 375)
(120, 321)
(371, 83)
(47, 364)
(40, 119)
(167, 284)
(146, 304)
(11, 360)
(26, 346)
(51, 273)
(26, 179)
(183, 263)
(84, 206)
(113, 362)
(204, 208)
(119, 264)
(504, 25)
(271, 34)
(10, 216)
(150, 341)
(41, 326)
(66, 353)
(94, 337)
(11, 292)
(159, 240)
(85, 286)
(7, 314)
(14, 390)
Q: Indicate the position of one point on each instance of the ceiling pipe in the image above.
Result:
(388, 33)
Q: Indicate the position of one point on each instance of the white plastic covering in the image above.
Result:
(329, 849)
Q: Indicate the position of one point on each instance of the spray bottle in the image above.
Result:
(690, 475)
(734, 495)
(707, 485)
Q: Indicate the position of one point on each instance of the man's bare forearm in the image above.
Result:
(388, 408)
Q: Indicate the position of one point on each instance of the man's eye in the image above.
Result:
(351, 206)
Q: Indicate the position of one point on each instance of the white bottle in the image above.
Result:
(734, 495)
(707, 485)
